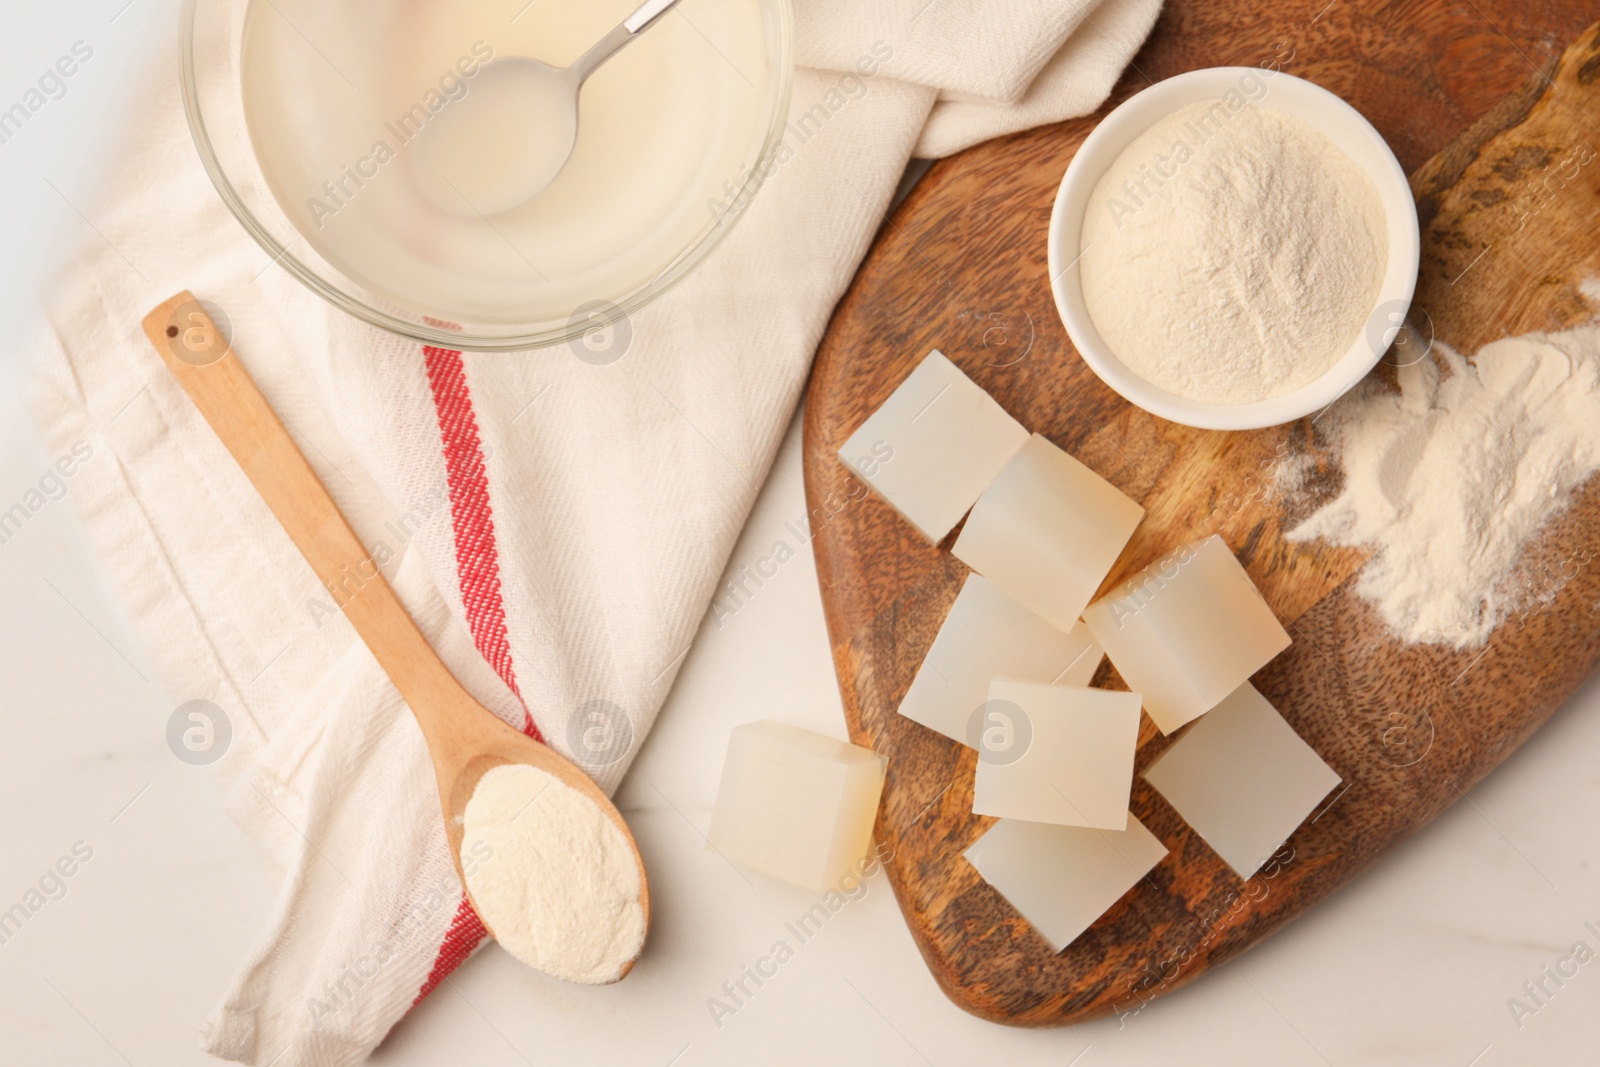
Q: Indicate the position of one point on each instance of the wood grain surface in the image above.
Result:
(1499, 131)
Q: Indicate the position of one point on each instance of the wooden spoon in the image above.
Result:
(465, 739)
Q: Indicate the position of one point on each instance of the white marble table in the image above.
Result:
(1413, 964)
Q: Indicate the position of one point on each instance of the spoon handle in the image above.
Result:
(613, 42)
(202, 359)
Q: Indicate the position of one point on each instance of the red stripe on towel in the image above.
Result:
(464, 935)
(478, 570)
(477, 560)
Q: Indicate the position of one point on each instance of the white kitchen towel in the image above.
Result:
(556, 525)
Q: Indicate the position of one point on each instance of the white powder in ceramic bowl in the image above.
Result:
(551, 875)
(1232, 253)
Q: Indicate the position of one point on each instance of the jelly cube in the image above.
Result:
(1062, 878)
(795, 805)
(989, 634)
(1047, 531)
(1057, 754)
(933, 446)
(1187, 631)
(1243, 779)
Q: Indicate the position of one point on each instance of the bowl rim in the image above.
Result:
(1393, 298)
(449, 336)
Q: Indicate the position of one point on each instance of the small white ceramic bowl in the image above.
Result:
(1349, 132)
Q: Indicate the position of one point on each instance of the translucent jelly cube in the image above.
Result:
(1047, 531)
(1056, 754)
(933, 446)
(1062, 878)
(987, 635)
(1187, 631)
(795, 805)
(1243, 779)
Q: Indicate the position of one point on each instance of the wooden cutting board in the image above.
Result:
(1511, 224)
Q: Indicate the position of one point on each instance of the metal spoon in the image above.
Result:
(508, 138)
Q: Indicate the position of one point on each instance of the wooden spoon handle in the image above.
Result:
(201, 358)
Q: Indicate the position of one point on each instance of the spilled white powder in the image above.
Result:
(1231, 253)
(1451, 478)
(551, 875)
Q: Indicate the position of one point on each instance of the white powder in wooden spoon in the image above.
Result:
(551, 875)
(1452, 477)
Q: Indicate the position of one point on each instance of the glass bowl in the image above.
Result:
(661, 204)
